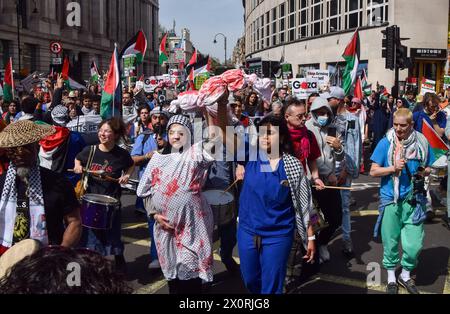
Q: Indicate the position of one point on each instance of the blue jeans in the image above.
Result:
(153, 252)
(227, 235)
(106, 242)
(346, 218)
(264, 271)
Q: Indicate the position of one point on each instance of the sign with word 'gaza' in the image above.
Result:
(302, 87)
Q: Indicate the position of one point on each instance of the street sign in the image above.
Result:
(56, 61)
(55, 47)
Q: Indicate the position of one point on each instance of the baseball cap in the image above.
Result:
(337, 92)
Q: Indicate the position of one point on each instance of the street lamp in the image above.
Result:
(225, 44)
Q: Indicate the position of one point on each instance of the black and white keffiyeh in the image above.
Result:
(301, 195)
(8, 207)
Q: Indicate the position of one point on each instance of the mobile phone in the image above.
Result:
(331, 131)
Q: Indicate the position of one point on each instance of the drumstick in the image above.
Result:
(336, 187)
(98, 174)
(229, 188)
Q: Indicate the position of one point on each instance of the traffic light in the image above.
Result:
(403, 62)
(388, 45)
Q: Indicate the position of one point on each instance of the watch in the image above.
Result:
(312, 238)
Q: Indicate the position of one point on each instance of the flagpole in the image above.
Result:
(114, 93)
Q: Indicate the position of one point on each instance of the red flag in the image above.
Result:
(65, 69)
(433, 138)
(194, 58)
(358, 89)
(208, 67)
(141, 78)
(191, 75)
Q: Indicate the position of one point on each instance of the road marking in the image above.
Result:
(152, 288)
(134, 226)
(363, 213)
(357, 283)
(447, 279)
(141, 242)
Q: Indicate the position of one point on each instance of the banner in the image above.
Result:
(321, 76)
(446, 81)
(200, 79)
(129, 65)
(85, 124)
(179, 55)
(428, 86)
(302, 87)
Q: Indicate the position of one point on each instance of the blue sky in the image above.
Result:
(204, 19)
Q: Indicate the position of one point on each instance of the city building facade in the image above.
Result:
(313, 34)
(30, 26)
(180, 49)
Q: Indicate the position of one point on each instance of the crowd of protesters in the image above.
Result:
(288, 214)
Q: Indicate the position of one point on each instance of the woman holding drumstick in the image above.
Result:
(117, 164)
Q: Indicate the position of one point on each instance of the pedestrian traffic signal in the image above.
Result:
(388, 45)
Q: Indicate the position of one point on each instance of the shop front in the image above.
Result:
(429, 64)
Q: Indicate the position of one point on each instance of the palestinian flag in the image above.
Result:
(94, 73)
(109, 106)
(8, 82)
(65, 72)
(367, 88)
(53, 150)
(136, 46)
(202, 65)
(438, 146)
(193, 58)
(358, 93)
(162, 51)
(351, 56)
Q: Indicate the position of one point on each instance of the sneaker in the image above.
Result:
(409, 285)
(392, 288)
(324, 254)
(154, 264)
(347, 248)
(446, 221)
(430, 216)
(232, 266)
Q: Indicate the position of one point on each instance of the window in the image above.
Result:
(4, 53)
(337, 70)
(333, 16)
(316, 18)
(377, 12)
(353, 13)
(303, 68)
(303, 20)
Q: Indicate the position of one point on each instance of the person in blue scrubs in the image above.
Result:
(266, 213)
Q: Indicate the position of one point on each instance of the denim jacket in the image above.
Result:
(351, 138)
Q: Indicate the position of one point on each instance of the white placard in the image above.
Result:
(302, 87)
(85, 124)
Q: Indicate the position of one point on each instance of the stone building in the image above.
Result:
(35, 24)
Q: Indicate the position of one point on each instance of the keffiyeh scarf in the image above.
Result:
(8, 207)
(415, 147)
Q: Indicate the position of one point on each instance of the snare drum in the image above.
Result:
(131, 185)
(439, 168)
(97, 211)
(222, 205)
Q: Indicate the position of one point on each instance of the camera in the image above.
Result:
(418, 181)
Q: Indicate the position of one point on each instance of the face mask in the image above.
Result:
(322, 120)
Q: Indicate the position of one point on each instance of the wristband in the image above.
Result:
(312, 238)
